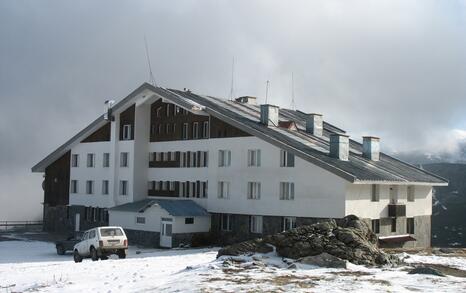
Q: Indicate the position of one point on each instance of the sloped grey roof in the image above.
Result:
(174, 207)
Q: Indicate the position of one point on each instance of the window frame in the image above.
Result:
(140, 220)
(105, 187)
(124, 159)
(74, 186)
(123, 187)
(195, 130)
(256, 224)
(287, 159)
(375, 226)
(287, 191)
(288, 223)
(254, 158)
(224, 158)
(127, 132)
(410, 226)
(225, 222)
(185, 131)
(75, 160)
(89, 187)
(223, 190)
(189, 221)
(106, 160)
(254, 190)
(90, 163)
(205, 129)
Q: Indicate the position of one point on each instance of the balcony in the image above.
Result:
(396, 210)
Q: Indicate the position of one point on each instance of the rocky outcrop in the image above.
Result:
(349, 239)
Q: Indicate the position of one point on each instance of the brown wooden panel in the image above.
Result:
(101, 134)
(219, 129)
(57, 181)
(127, 117)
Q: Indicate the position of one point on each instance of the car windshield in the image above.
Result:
(105, 232)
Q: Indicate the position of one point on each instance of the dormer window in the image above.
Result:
(127, 132)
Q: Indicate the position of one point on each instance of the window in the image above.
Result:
(286, 190)
(89, 187)
(92, 234)
(164, 185)
(393, 225)
(205, 129)
(410, 225)
(189, 221)
(177, 110)
(74, 186)
(158, 156)
(140, 220)
(223, 189)
(375, 226)
(172, 186)
(90, 160)
(375, 192)
(127, 132)
(204, 189)
(74, 160)
(411, 193)
(255, 224)
(286, 159)
(168, 110)
(159, 129)
(174, 128)
(225, 222)
(105, 187)
(157, 111)
(157, 185)
(224, 158)
(123, 187)
(106, 160)
(123, 159)
(289, 223)
(254, 190)
(94, 219)
(254, 158)
(195, 130)
(184, 134)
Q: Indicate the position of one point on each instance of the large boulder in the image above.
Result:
(324, 260)
(349, 239)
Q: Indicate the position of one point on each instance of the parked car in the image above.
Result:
(63, 246)
(101, 242)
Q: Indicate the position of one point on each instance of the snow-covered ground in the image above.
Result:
(27, 266)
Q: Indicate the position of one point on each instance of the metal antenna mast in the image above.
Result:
(266, 91)
(232, 88)
(293, 106)
(151, 75)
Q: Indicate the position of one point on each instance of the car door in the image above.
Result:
(82, 244)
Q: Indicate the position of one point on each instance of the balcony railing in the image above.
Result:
(396, 210)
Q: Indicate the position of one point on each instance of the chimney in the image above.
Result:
(339, 146)
(247, 100)
(371, 148)
(315, 124)
(269, 115)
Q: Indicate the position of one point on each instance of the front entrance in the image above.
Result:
(166, 232)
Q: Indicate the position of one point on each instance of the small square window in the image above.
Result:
(189, 221)
(140, 220)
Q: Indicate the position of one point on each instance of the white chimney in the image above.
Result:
(247, 100)
(269, 115)
(315, 124)
(371, 147)
(339, 146)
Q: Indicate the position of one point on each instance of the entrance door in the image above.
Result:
(77, 220)
(166, 233)
(393, 194)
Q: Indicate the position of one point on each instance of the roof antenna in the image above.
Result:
(293, 105)
(151, 76)
(267, 91)
(232, 79)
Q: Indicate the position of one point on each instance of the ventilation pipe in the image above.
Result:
(371, 148)
(339, 146)
(269, 115)
(315, 124)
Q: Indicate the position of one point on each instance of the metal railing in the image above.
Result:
(6, 225)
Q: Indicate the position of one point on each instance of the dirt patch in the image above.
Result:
(447, 270)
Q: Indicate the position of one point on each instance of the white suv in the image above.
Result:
(100, 243)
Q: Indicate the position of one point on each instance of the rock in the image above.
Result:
(324, 260)
(348, 239)
(427, 271)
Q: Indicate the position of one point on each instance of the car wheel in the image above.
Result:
(60, 250)
(94, 255)
(77, 258)
(121, 254)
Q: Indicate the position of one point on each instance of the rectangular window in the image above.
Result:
(106, 160)
(393, 225)
(90, 160)
(410, 225)
(195, 130)
(223, 189)
(254, 190)
(158, 156)
(255, 224)
(205, 129)
(104, 186)
(140, 220)
(157, 185)
(74, 186)
(94, 219)
(177, 110)
(124, 159)
(123, 187)
(168, 110)
(184, 134)
(411, 192)
(164, 185)
(375, 192)
(189, 221)
(158, 111)
(89, 187)
(286, 159)
(127, 132)
(375, 226)
(286, 190)
(167, 128)
(224, 158)
(254, 158)
(289, 223)
(225, 222)
(74, 160)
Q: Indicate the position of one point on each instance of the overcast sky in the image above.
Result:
(396, 69)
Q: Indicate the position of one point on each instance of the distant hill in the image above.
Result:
(449, 205)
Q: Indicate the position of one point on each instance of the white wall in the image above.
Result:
(358, 201)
